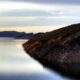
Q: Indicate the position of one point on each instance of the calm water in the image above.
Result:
(15, 64)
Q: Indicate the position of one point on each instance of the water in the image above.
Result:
(15, 64)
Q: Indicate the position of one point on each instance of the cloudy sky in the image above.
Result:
(39, 12)
(50, 1)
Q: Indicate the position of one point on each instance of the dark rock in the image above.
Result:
(58, 50)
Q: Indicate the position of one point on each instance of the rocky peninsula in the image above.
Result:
(58, 50)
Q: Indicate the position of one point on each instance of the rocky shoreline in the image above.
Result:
(58, 50)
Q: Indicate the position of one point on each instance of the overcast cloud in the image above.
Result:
(47, 14)
(50, 1)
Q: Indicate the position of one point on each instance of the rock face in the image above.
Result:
(58, 50)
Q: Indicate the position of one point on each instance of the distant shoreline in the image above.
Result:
(15, 35)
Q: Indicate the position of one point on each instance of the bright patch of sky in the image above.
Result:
(30, 13)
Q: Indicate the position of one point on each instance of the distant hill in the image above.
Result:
(16, 35)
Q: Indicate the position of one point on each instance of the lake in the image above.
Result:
(15, 64)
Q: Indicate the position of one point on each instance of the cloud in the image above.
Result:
(50, 1)
(8, 5)
(44, 14)
(26, 13)
(36, 9)
(42, 21)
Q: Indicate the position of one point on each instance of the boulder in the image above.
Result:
(58, 50)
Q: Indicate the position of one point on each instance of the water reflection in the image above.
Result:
(15, 64)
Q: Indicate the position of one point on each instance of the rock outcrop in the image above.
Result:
(58, 50)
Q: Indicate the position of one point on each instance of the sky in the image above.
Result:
(36, 13)
(50, 1)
